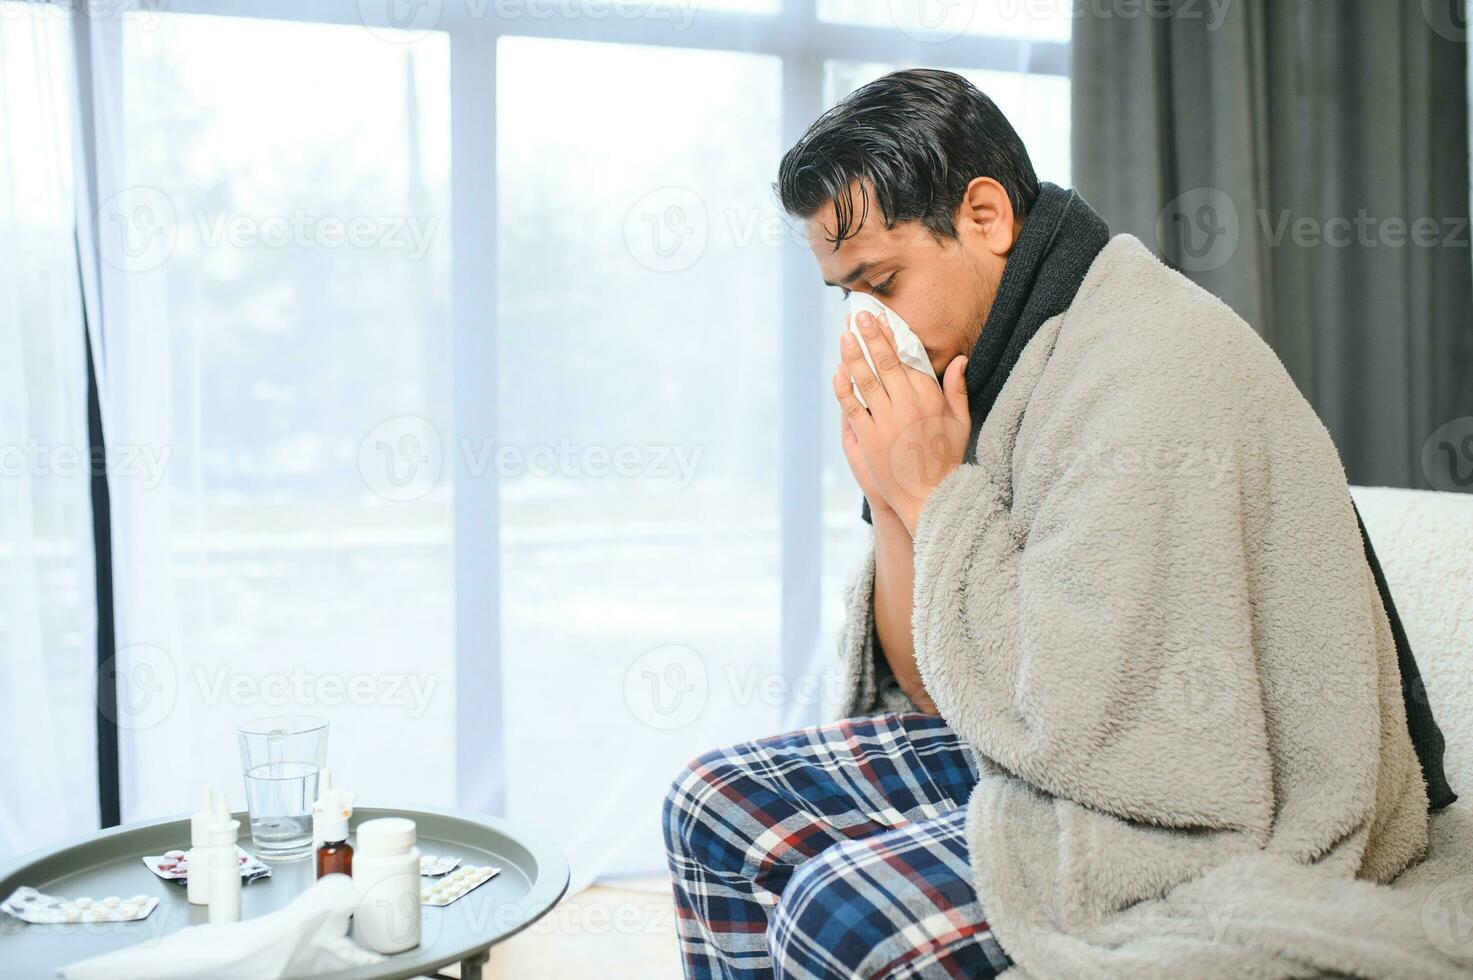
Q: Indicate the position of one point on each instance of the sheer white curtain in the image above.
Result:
(48, 762)
(272, 243)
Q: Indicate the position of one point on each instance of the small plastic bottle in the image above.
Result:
(324, 783)
(197, 882)
(330, 826)
(386, 871)
(224, 868)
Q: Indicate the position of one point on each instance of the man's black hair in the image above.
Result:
(918, 138)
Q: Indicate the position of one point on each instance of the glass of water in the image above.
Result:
(280, 797)
(281, 758)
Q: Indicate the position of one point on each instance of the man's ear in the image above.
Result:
(985, 217)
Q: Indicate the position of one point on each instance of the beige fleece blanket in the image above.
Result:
(1148, 609)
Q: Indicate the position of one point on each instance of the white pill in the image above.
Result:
(81, 903)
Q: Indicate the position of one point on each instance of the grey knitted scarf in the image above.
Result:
(1061, 237)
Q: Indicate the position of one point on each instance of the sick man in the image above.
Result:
(1120, 652)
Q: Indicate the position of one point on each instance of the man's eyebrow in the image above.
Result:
(854, 274)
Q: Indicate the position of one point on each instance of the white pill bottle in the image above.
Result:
(386, 871)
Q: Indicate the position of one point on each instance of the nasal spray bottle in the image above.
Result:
(197, 883)
(330, 829)
(324, 786)
(224, 870)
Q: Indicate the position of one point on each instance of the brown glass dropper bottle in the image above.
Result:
(330, 814)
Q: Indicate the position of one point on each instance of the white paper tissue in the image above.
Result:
(907, 344)
(306, 938)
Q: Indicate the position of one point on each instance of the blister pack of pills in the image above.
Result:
(434, 867)
(174, 865)
(455, 885)
(29, 905)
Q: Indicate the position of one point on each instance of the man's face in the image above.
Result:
(943, 287)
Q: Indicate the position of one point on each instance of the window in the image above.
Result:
(640, 344)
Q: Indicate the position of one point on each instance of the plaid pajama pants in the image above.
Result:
(836, 851)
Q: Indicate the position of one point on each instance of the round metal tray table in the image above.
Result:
(534, 877)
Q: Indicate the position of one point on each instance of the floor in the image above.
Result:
(602, 932)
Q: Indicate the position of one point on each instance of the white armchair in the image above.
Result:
(1424, 541)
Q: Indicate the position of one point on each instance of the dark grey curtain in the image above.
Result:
(1307, 161)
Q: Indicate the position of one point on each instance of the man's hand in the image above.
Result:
(857, 465)
(913, 435)
(860, 469)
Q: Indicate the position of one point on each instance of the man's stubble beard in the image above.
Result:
(984, 295)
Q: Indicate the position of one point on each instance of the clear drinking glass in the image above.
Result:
(280, 797)
(281, 758)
